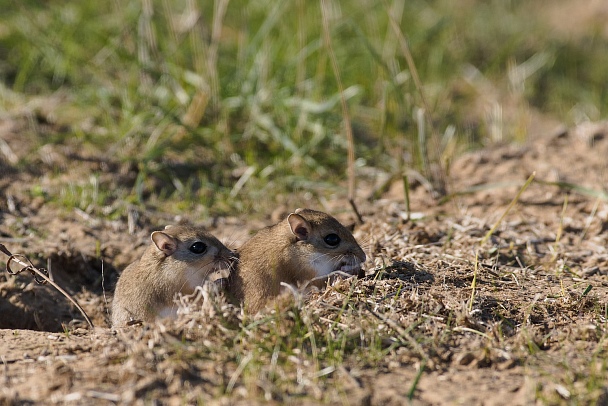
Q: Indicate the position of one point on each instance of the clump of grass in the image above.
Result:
(289, 352)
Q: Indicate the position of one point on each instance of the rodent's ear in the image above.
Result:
(299, 226)
(164, 242)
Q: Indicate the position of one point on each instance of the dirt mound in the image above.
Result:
(573, 160)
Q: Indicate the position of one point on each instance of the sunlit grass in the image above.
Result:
(196, 95)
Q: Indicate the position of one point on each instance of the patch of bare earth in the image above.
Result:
(577, 19)
(440, 317)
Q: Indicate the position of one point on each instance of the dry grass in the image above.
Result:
(407, 323)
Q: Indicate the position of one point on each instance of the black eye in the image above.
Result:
(332, 239)
(198, 247)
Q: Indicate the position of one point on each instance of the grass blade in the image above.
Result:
(515, 199)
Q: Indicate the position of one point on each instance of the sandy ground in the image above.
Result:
(533, 334)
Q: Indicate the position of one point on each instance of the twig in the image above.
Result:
(40, 276)
(357, 214)
(103, 288)
(346, 116)
(438, 178)
(406, 192)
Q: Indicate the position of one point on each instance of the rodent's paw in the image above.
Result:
(350, 269)
(221, 284)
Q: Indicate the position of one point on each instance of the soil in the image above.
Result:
(540, 288)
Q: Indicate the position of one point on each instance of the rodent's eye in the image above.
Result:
(332, 239)
(198, 247)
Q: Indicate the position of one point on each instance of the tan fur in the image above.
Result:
(278, 254)
(146, 288)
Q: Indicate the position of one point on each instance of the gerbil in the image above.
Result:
(177, 261)
(307, 245)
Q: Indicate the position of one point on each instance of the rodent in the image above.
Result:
(303, 248)
(179, 259)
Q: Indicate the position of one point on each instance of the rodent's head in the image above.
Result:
(193, 251)
(326, 245)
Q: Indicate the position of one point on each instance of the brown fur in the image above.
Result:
(282, 253)
(167, 267)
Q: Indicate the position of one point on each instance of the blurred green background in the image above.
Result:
(225, 106)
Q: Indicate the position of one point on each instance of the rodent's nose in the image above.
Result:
(360, 255)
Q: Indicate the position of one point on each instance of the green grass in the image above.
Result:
(191, 98)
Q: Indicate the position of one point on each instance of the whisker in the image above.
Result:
(318, 255)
